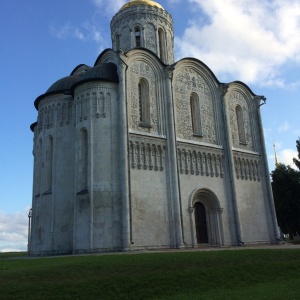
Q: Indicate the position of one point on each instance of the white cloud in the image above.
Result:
(285, 157)
(247, 40)
(14, 231)
(86, 31)
(284, 127)
(110, 7)
(61, 32)
(297, 132)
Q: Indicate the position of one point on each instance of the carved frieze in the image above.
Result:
(54, 111)
(59, 111)
(147, 153)
(95, 101)
(188, 81)
(247, 167)
(201, 161)
(236, 98)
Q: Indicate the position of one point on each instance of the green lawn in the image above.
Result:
(227, 274)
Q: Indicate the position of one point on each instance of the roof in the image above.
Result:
(141, 2)
(104, 72)
(63, 84)
(66, 85)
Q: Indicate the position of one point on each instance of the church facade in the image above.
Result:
(142, 152)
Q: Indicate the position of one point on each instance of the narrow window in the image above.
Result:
(137, 37)
(49, 165)
(240, 124)
(161, 44)
(144, 102)
(195, 113)
(83, 162)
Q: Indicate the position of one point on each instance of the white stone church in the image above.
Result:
(142, 152)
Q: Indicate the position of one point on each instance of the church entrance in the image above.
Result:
(206, 218)
(200, 222)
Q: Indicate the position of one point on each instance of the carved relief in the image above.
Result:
(126, 39)
(53, 112)
(137, 71)
(195, 160)
(170, 47)
(188, 81)
(147, 154)
(236, 98)
(247, 167)
(96, 100)
(102, 103)
(61, 111)
(150, 37)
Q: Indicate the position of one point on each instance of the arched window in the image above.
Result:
(161, 44)
(49, 165)
(195, 114)
(83, 160)
(240, 124)
(144, 102)
(137, 34)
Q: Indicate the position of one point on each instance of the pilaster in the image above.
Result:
(266, 169)
(230, 163)
(172, 158)
(124, 154)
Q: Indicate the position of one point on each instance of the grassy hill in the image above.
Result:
(227, 274)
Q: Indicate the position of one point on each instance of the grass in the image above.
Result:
(245, 274)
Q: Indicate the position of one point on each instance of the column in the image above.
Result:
(229, 158)
(123, 154)
(172, 155)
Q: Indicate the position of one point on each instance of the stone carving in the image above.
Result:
(137, 71)
(102, 103)
(61, 111)
(247, 168)
(196, 160)
(94, 99)
(125, 39)
(236, 98)
(188, 81)
(150, 37)
(170, 47)
(54, 111)
(147, 153)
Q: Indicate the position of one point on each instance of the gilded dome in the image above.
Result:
(141, 2)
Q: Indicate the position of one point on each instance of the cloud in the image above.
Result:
(86, 31)
(285, 156)
(61, 32)
(249, 40)
(284, 127)
(14, 231)
(111, 7)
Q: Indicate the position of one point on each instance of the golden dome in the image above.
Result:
(141, 2)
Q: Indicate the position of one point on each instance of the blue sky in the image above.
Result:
(255, 41)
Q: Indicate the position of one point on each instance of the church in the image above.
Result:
(141, 151)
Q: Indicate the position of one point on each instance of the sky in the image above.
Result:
(254, 41)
